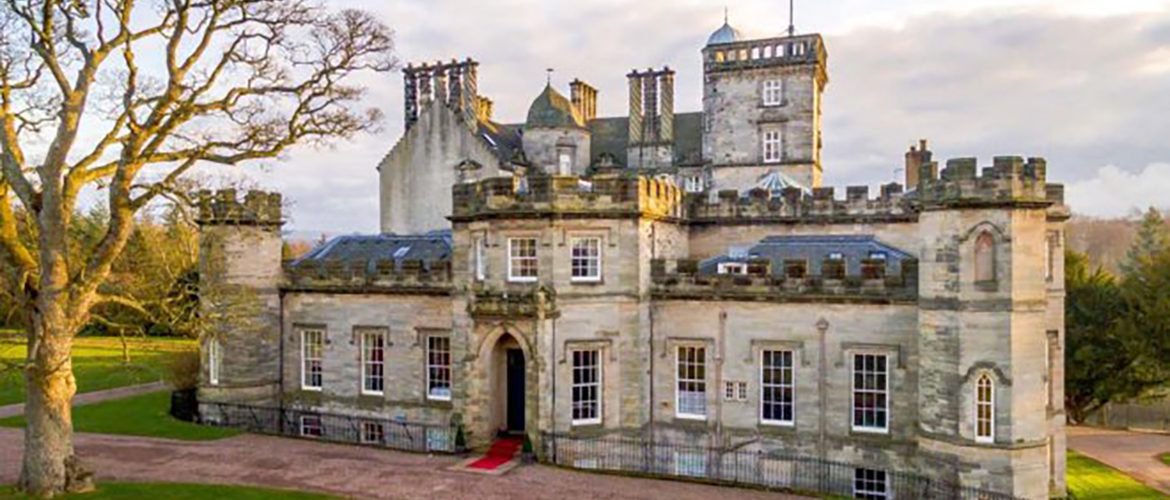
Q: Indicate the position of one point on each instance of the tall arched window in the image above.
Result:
(984, 409)
(985, 258)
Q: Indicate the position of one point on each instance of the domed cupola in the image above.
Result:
(553, 110)
(725, 34)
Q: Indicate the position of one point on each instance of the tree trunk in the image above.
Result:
(50, 467)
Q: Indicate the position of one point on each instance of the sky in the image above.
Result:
(1085, 84)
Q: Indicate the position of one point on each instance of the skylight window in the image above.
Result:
(401, 252)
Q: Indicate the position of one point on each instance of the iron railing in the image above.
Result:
(371, 431)
(749, 468)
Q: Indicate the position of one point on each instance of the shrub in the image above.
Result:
(183, 370)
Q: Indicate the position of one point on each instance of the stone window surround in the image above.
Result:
(780, 99)
(673, 344)
(421, 334)
(300, 332)
(796, 348)
(968, 385)
(894, 363)
(509, 238)
(575, 236)
(967, 256)
(977, 402)
(606, 355)
(361, 334)
(779, 143)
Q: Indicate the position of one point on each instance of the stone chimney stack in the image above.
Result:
(651, 142)
(450, 84)
(484, 108)
(584, 98)
(915, 158)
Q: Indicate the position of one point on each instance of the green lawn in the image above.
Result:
(1089, 479)
(97, 364)
(142, 415)
(1166, 458)
(177, 491)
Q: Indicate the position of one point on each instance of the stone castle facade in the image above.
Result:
(676, 277)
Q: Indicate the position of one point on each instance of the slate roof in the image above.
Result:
(612, 135)
(550, 109)
(430, 248)
(504, 140)
(814, 249)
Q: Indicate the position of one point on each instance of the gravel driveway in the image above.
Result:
(347, 470)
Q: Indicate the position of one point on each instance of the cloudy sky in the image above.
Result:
(1084, 83)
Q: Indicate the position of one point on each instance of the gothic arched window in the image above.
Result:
(984, 409)
(984, 258)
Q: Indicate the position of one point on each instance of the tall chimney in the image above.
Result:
(915, 158)
(650, 103)
(410, 87)
(635, 107)
(666, 89)
(485, 109)
(584, 98)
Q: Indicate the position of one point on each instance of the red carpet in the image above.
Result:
(501, 452)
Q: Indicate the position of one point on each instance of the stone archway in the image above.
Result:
(501, 382)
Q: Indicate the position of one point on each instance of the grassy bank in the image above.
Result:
(177, 491)
(98, 363)
(1089, 479)
(142, 415)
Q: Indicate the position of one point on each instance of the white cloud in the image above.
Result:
(1114, 191)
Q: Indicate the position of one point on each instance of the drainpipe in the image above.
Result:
(822, 381)
(280, 344)
(721, 344)
(650, 342)
(553, 367)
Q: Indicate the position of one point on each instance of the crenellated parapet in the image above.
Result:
(1010, 181)
(541, 196)
(681, 280)
(384, 275)
(768, 52)
(799, 206)
(223, 207)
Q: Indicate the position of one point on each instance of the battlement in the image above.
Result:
(767, 52)
(681, 280)
(406, 276)
(259, 208)
(796, 205)
(598, 196)
(1011, 180)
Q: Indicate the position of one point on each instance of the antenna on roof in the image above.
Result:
(791, 18)
(725, 20)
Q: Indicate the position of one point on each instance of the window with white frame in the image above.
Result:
(777, 387)
(731, 268)
(870, 392)
(480, 265)
(693, 184)
(373, 433)
(439, 367)
(214, 358)
(735, 390)
(870, 484)
(585, 259)
(773, 146)
(564, 163)
(586, 389)
(773, 92)
(312, 357)
(522, 261)
(984, 409)
(311, 426)
(691, 400)
(690, 463)
(373, 362)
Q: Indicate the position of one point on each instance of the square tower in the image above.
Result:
(762, 108)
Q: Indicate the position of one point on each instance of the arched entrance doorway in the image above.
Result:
(509, 379)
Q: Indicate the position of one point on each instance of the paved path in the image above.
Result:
(348, 470)
(1135, 453)
(94, 397)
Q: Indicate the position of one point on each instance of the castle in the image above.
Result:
(677, 278)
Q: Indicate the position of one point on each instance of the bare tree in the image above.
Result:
(126, 97)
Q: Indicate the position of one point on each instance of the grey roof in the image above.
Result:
(430, 247)
(550, 109)
(612, 135)
(504, 140)
(814, 249)
(725, 34)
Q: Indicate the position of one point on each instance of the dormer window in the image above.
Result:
(732, 268)
(564, 163)
(773, 92)
(693, 183)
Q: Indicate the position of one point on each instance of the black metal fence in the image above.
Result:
(749, 468)
(381, 432)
